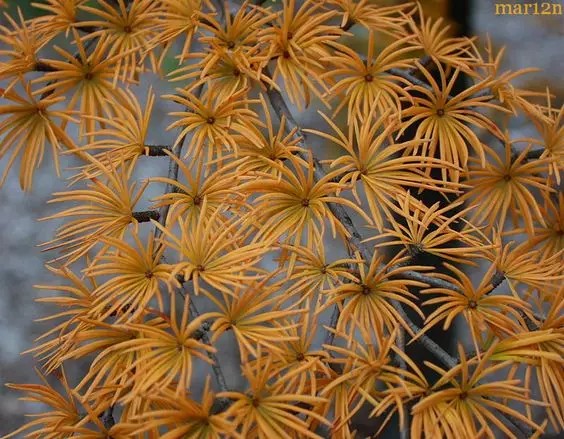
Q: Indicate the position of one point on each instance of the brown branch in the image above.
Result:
(145, 216)
(202, 333)
(404, 429)
(219, 404)
(158, 150)
(107, 418)
(425, 60)
(281, 109)
(85, 28)
(411, 78)
(43, 66)
(534, 154)
(497, 279)
(176, 151)
(428, 343)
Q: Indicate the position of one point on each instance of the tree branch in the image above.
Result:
(158, 150)
(145, 216)
(497, 279)
(107, 418)
(533, 154)
(404, 429)
(43, 66)
(176, 151)
(443, 356)
(203, 335)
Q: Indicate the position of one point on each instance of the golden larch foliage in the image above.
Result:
(291, 258)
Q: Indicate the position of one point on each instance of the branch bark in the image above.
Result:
(146, 215)
(158, 150)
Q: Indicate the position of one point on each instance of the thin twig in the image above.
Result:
(43, 66)
(531, 325)
(107, 418)
(176, 151)
(534, 154)
(443, 356)
(411, 78)
(408, 76)
(404, 429)
(145, 216)
(219, 376)
(425, 60)
(220, 404)
(158, 150)
(330, 336)
(497, 279)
